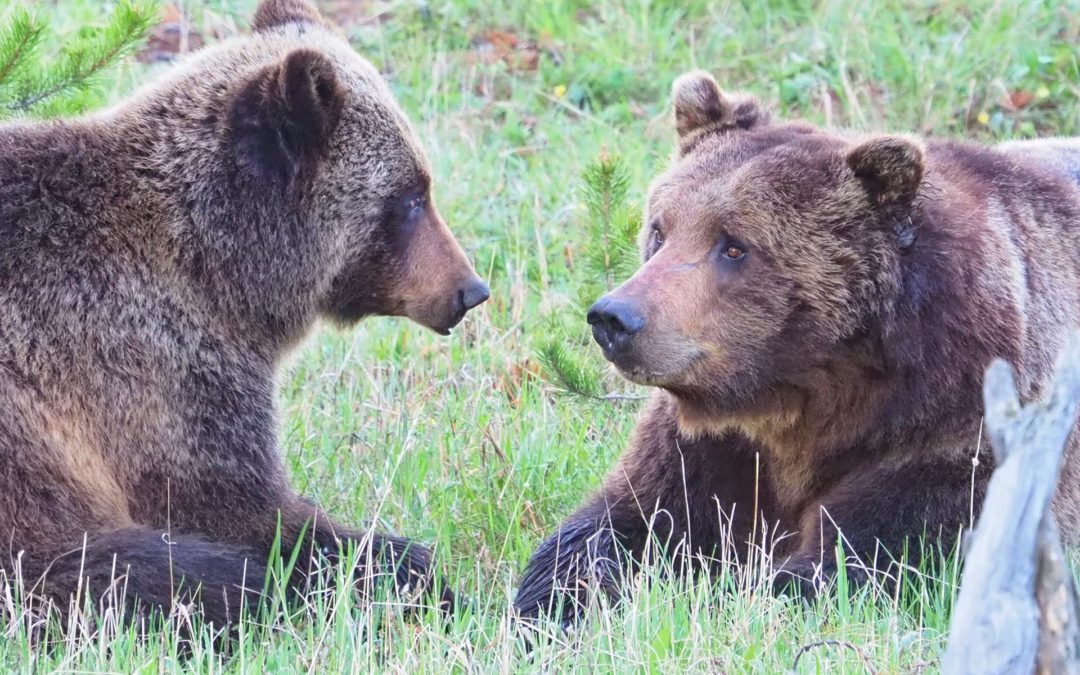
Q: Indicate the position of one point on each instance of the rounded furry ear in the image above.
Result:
(889, 167)
(701, 107)
(699, 102)
(273, 13)
(282, 119)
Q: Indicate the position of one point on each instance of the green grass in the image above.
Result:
(455, 441)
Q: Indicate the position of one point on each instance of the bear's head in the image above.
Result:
(305, 183)
(770, 251)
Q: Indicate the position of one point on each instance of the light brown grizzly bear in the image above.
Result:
(157, 262)
(816, 310)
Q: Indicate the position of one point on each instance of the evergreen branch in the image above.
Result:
(19, 41)
(572, 374)
(130, 23)
(576, 376)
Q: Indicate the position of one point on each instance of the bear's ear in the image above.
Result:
(273, 13)
(700, 107)
(283, 118)
(889, 167)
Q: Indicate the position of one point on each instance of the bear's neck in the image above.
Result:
(244, 254)
(155, 203)
(824, 417)
(74, 195)
(832, 405)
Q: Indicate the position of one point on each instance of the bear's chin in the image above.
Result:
(645, 377)
(443, 328)
(756, 413)
(630, 368)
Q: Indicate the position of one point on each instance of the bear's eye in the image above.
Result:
(733, 251)
(415, 205)
(656, 239)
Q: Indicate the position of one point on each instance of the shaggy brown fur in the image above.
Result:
(816, 309)
(157, 262)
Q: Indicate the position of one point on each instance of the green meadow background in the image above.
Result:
(460, 441)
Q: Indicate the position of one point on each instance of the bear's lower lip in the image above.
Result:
(627, 371)
(446, 328)
(647, 368)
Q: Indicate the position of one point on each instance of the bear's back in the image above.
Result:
(1061, 155)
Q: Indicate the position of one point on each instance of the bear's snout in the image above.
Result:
(614, 323)
(473, 295)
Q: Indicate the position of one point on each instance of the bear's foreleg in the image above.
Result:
(883, 519)
(137, 571)
(589, 554)
(691, 500)
(321, 545)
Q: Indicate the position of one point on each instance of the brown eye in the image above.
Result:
(415, 205)
(734, 252)
(657, 238)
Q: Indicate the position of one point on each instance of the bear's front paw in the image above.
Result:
(803, 578)
(567, 573)
(408, 566)
(808, 578)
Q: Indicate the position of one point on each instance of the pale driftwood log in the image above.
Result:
(1017, 611)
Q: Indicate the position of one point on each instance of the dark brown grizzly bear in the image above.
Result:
(157, 262)
(816, 310)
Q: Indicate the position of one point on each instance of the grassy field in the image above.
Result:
(457, 441)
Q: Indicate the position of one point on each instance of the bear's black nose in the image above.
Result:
(614, 322)
(475, 293)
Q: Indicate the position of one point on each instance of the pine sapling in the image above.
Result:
(607, 256)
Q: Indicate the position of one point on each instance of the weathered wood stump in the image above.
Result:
(1017, 611)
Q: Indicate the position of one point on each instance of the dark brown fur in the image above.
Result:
(157, 263)
(830, 376)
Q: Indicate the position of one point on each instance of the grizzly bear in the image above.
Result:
(816, 310)
(158, 260)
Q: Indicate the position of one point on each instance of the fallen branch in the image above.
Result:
(1017, 611)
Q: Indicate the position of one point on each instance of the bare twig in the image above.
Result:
(833, 643)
